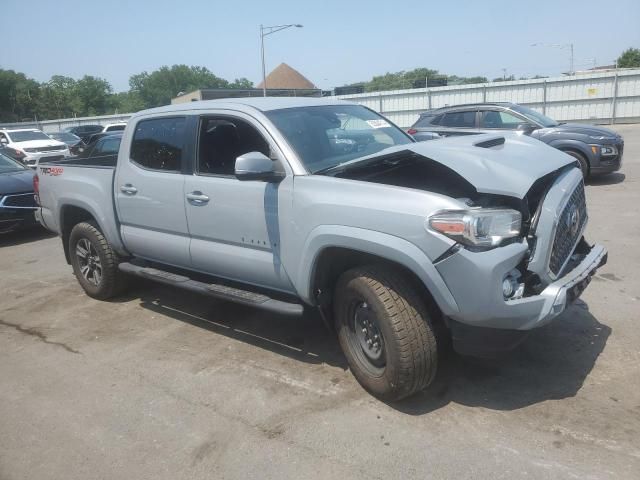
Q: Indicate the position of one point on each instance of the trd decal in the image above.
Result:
(53, 171)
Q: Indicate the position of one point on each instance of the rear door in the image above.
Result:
(235, 225)
(149, 190)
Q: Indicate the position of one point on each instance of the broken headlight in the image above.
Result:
(482, 227)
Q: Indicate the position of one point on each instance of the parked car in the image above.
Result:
(399, 244)
(74, 142)
(84, 131)
(598, 150)
(11, 153)
(114, 127)
(32, 145)
(104, 145)
(17, 203)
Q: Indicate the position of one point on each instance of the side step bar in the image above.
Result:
(223, 292)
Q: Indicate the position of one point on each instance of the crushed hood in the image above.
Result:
(509, 168)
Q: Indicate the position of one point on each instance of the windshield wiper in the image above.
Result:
(387, 160)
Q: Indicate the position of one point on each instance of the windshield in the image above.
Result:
(535, 116)
(9, 165)
(65, 137)
(329, 135)
(27, 135)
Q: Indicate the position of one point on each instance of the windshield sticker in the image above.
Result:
(378, 123)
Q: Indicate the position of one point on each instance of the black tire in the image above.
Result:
(584, 165)
(99, 275)
(381, 301)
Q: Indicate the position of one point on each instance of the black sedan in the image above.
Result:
(17, 201)
(74, 142)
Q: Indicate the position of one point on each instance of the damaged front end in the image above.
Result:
(518, 257)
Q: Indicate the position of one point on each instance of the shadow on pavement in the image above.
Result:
(610, 179)
(303, 338)
(551, 364)
(24, 236)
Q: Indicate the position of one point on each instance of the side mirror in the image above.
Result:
(3, 141)
(256, 166)
(526, 128)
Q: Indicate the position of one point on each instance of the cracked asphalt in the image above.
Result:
(163, 384)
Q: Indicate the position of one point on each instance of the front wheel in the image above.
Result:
(94, 262)
(584, 165)
(385, 332)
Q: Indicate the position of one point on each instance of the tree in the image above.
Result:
(160, 86)
(19, 96)
(126, 102)
(57, 98)
(241, 83)
(630, 58)
(91, 96)
(504, 79)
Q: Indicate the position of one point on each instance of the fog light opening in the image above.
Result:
(512, 289)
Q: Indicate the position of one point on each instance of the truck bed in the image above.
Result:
(102, 161)
(78, 181)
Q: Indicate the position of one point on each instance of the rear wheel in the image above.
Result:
(584, 165)
(94, 262)
(385, 332)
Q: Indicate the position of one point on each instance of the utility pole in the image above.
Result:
(264, 31)
(568, 46)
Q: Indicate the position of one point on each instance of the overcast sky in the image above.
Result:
(342, 41)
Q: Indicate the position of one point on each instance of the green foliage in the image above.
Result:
(19, 96)
(160, 86)
(506, 79)
(24, 99)
(630, 58)
(412, 79)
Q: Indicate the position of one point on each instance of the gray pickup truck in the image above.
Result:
(283, 203)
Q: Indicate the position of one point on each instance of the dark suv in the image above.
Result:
(597, 149)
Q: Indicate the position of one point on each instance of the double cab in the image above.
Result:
(287, 204)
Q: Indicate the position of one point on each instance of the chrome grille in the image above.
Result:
(50, 148)
(569, 229)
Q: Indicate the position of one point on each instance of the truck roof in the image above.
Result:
(245, 104)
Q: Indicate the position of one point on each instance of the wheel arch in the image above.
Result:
(331, 250)
(70, 216)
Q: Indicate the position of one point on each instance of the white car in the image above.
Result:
(114, 127)
(32, 145)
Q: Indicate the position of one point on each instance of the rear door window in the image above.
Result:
(459, 119)
(158, 144)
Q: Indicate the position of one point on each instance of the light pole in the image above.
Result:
(264, 31)
(568, 46)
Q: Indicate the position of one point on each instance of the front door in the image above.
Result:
(149, 191)
(235, 225)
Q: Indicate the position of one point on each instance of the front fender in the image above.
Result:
(382, 245)
(563, 144)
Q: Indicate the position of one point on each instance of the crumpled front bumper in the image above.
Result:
(475, 281)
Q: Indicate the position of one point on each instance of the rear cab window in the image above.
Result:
(158, 144)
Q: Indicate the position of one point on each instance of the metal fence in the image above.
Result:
(609, 97)
(51, 126)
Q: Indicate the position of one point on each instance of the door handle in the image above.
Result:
(197, 198)
(128, 189)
